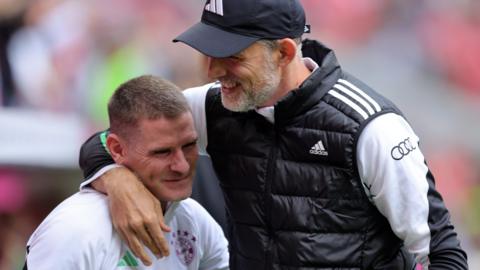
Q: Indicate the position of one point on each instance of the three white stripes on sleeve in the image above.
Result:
(348, 93)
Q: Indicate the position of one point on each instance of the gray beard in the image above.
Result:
(251, 99)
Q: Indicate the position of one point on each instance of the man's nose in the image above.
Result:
(179, 162)
(216, 68)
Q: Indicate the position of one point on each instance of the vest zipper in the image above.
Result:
(272, 156)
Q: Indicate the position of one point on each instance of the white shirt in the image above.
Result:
(78, 234)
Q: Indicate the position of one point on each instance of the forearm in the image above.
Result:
(448, 255)
(445, 249)
(103, 180)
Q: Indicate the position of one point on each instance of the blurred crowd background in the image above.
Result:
(61, 59)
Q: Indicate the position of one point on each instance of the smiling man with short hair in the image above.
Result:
(152, 134)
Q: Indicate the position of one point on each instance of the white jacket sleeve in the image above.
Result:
(196, 99)
(393, 172)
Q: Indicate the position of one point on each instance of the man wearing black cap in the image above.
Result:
(318, 170)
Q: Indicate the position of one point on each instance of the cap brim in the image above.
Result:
(213, 41)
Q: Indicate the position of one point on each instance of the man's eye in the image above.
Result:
(161, 153)
(190, 145)
(234, 58)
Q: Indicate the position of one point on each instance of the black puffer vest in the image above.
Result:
(292, 189)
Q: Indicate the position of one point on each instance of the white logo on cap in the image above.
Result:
(215, 6)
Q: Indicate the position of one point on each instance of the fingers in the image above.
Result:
(144, 229)
(164, 227)
(154, 227)
(139, 232)
(147, 238)
(137, 215)
(159, 242)
(135, 246)
(158, 236)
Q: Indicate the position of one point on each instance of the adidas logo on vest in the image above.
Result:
(318, 149)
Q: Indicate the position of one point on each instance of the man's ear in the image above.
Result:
(288, 50)
(116, 147)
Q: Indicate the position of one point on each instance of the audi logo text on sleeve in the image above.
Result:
(402, 149)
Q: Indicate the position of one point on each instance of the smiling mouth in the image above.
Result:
(229, 87)
(177, 179)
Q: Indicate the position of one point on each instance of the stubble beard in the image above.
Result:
(255, 95)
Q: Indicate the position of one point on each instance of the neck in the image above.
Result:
(292, 76)
(164, 206)
(297, 73)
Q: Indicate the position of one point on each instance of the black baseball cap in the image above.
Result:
(229, 26)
